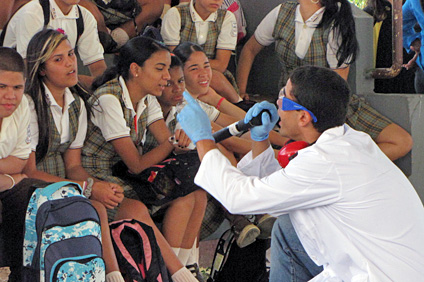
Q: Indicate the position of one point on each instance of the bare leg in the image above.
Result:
(224, 88)
(108, 251)
(195, 220)
(177, 219)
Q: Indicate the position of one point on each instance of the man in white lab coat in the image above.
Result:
(354, 211)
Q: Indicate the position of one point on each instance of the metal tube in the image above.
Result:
(397, 46)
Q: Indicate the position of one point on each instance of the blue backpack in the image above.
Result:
(62, 236)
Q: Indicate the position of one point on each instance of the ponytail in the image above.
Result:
(109, 74)
(340, 19)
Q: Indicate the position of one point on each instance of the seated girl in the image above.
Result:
(198, 75)
(204, 23)
(58, 128)
(124, 106)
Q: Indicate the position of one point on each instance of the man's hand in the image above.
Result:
(194, 121)
(261, 132)
(109, 194)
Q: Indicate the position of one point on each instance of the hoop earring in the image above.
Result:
(315, 2)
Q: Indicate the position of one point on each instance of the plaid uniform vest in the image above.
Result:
(53, 162)
(188, 30)
(150, 142)
(284, 35)
(98, 155)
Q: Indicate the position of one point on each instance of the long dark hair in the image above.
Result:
(137, 50)
(40, 49)
(185, 49)
(341, 20)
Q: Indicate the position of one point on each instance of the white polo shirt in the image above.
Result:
(171, 26)
(61, 120)
(29, 19)
(109, 117)
(303, 34)
(15, 136)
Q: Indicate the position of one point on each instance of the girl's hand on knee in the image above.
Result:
(104, 193)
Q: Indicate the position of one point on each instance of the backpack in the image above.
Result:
(62, 239)
(164, 182)
(45, 4)
(137, 252)
(234, 264)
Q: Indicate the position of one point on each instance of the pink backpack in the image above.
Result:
(137, 252)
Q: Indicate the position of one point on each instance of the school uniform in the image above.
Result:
(171, 122)
(219, 31)
(299, 43)
(114, 117)
(68, 127)
(29, 20)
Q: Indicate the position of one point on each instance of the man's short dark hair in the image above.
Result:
(10, 60)
(323, 92)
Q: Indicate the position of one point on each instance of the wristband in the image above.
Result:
(13, 181)
(219, 103)
(87, 191)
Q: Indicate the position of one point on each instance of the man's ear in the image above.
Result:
(304, 118)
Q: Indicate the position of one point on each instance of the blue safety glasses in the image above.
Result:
(290, 105)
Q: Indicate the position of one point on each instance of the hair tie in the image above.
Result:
(61, 31)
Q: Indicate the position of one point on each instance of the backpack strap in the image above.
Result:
(80, 25)
(45, 4)
(3, 33)
(222, 252)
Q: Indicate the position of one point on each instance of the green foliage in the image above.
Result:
(359, 3)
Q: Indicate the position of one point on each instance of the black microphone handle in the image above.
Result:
(238, 127)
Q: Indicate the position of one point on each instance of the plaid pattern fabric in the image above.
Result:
(284, 34)
(98, 155)
(363, 117)
(53, 162)
(188, 30)
(214, 216)
(150, 142)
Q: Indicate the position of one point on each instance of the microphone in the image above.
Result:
(238, 127)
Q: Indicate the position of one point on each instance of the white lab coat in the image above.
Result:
(354, 211)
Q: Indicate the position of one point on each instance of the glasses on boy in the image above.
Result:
(290, 105)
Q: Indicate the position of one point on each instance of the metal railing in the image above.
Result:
(397, 46)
